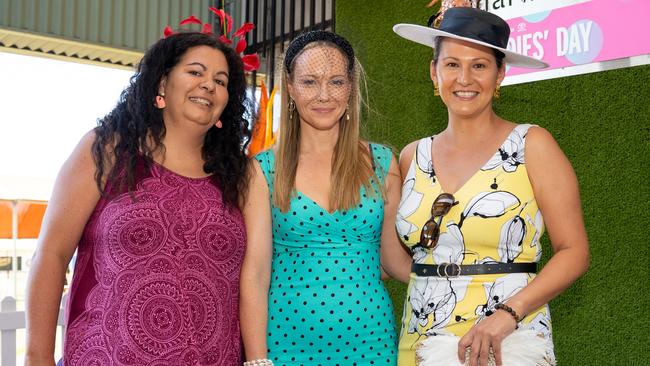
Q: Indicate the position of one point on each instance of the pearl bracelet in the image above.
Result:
(259, 362)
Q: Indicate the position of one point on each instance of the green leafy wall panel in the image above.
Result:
(601, 121)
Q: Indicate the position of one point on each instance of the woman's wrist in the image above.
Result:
(513, 313)
(38, 360)
(518, 306)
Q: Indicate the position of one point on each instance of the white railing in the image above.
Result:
(10, 320)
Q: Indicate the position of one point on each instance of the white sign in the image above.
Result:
(508, 9)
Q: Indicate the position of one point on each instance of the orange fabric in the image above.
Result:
(259, 130)
(269, 138)
(30, 216)
(5, 219)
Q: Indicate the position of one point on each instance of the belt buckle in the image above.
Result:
(446, 267)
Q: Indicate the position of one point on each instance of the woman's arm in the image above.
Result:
(395, 260)
(73, 200)
(556, 191)
(256, 269)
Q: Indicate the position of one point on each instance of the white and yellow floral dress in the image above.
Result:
(496, 220)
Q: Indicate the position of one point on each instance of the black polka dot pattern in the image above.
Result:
(327, 303)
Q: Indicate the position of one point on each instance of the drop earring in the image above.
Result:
(218, 124)
(160, 100)
(497, 92)
(436, 91)
(291, 108)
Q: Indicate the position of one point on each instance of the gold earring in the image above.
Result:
(291, 108)
(347, 115)
(436, 91)
(497, 92)
(160, 100)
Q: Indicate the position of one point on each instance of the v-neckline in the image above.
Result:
(471, 177)
(300, 193)
(332, 213)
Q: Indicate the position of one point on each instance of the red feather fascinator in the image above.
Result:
(251, 61)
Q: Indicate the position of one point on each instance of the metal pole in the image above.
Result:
(303, 14)
(333, 15)
(265, 29)
(282, 21)
(271, 70)
(255, 43)
(312, 14)
(14, 236)
(323, 9)
(292, 18)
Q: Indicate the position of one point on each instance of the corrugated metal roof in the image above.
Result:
(109, 32)
(112, 33)
(39, 45)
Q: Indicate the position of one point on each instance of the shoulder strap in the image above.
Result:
(422, 157)
(267, 163)
(521, 131)
(381, 157)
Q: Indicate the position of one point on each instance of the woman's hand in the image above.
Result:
(486, 335)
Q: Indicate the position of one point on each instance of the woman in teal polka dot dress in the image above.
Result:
(319, 214)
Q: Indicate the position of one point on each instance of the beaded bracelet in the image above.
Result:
(259, 362)
(509, 310)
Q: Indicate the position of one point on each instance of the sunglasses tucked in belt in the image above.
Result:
(429, 239)
(431, 229)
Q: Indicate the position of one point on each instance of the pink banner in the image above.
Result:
(598, 30)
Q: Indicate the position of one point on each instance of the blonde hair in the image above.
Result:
(351, 163)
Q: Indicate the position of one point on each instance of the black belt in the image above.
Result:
(455, 270)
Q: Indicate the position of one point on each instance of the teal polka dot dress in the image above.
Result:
(327, 303)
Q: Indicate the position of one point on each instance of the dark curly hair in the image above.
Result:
(135, 128)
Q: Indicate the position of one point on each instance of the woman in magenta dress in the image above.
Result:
(149, 199)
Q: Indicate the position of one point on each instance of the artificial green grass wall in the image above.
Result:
(600, 120)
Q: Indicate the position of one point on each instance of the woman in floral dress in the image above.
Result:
(476, 199)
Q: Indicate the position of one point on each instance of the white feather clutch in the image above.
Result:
(520, 348)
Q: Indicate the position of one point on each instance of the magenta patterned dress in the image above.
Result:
(156, 281)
